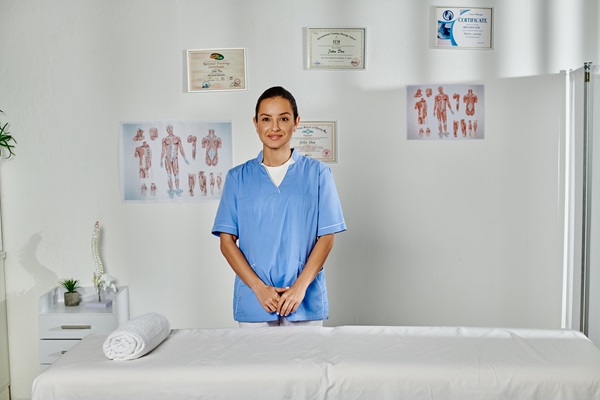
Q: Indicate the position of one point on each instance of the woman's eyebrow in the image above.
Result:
(268, 115)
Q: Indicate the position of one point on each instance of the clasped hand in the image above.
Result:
(283, 301)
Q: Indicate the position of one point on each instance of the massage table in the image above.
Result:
(347, 362)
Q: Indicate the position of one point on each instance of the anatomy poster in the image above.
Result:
(174, 161)
(445, 112)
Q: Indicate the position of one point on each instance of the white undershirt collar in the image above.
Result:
(278, 173)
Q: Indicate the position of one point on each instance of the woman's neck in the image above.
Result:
(275, 158)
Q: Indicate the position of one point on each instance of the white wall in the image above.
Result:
(4, 359)
(439, 233)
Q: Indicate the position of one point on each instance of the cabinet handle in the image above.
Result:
(75, 327)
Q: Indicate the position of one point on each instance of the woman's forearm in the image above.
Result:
(315, 261)
(238, 262)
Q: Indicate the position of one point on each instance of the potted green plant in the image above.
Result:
(71, 295)
(5, 140)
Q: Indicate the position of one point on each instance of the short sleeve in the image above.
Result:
(226, 220)
(331, 218)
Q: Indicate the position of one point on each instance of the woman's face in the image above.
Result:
(275, 124)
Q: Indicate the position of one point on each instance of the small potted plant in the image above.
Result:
(71, 295)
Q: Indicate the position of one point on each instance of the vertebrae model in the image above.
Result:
(101, 280)
(96, 255)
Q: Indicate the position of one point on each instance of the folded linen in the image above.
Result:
(137, 337)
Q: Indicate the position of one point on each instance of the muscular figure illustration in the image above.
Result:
(442, 101)
(171, 146)
(455, 127)
(144, 190)
(418, 94)
(193, 139)
(428, 92)
(456, 97)
(153, 189)
(475, 127)
(421, 107)
(219, 182)
(212, 183)
(470, 127)
(139, 135)
(470, 99)
(192, 182)
(202, 183)
(212, 144)
(153, 133)
(463, 127)
(144, 153)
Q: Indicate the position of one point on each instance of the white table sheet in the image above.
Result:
(349, 362)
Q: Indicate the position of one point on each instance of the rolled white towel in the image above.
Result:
(137, 337)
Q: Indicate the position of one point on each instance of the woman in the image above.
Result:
(284, 210)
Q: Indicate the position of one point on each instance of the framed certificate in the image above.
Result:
(216, 69)
(316, 139)
(335, 48)
(463, 28)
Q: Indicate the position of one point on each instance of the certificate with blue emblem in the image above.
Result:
(316, 139)
(463, 27)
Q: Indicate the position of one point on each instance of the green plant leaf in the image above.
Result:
(70, 284)
(6, 139)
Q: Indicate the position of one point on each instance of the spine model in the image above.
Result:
(97, 261)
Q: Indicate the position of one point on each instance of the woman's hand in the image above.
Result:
(269, 297)
(290, 299)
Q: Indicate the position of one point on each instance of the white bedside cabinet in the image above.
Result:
(62, 327)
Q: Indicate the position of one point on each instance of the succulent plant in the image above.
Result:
(70, 284)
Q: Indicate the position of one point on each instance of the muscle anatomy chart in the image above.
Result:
(451, 112)
(155, 160)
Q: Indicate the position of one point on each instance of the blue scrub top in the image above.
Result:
(277, 228)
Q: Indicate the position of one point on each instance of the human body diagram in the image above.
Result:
(421, 107)
(459, 115)
(212, 143)
(169, 158)
(192, 140)
(470, 99)
(157, 163)
(441, 103)
(144, 153)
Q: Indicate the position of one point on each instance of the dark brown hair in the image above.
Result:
(277, 91)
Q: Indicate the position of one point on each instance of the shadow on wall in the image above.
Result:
(22, 312)
(38, 272)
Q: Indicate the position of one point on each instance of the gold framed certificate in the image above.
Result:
(316, 139)
(335, 48)
(216, 69)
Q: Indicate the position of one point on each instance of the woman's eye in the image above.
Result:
(284, 119)
(265, 119)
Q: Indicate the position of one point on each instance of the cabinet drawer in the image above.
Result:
(75, 326)
(50, 350)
